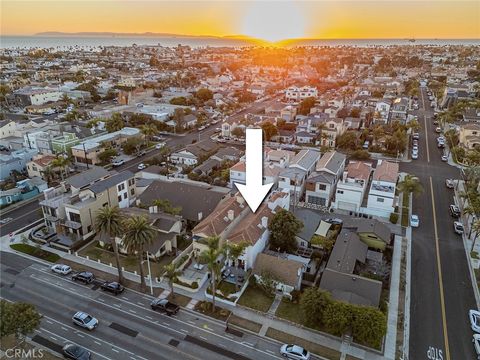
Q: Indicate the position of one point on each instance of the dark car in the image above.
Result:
(455, 211)
(75, 352)
(162, 304)
(113, 287)
(84, 276)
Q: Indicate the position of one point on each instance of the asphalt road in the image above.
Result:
(128, 329)
(441, 286)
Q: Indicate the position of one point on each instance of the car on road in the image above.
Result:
(454, 211)
(294, 352)
(84, 276)
(414, 155)
(76, 352)
(449, 183)
(474, 316)
(444, 158)
(458, 227)
(414, 221)
(435, 122)
(416, 136)
(438, 129)
(84, 320)
(141, 166)
(141, 153)
(440, 144)
(162, 304)
(5, 220)
(113, 287)
(159, 145)
(203, 127)
(118, 162)
(61, 269)
(476, 344)
(415, 142)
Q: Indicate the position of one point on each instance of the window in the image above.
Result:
(322, 187)
(125, 195)
(339, 191)
(121, 187)
(131, 182)
(132, 192)
(119, 198)
(74, 217)
(380, 200)
(316, 200)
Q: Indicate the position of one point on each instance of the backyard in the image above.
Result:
(255, 298)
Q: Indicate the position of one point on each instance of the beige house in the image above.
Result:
(469, 135)
(333, 128)
(7, 128)
(39, 163)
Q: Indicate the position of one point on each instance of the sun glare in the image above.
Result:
(274, 21)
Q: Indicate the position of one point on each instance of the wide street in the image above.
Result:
(128, 328)
(441, 288)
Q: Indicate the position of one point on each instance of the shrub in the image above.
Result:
(393, 218)
(194, 285)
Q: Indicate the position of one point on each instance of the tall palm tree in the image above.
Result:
(62, 162)
(233, 252)
(148, 130)
(138, 235)
(172, 272)
(410, 184)
(109, 220)
(210, 257)
(48, 174)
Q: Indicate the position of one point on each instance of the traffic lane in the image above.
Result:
(459, 296)
(21, 217)
(425, 309)
(114, 324)
(142, 317)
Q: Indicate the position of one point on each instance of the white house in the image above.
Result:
(184, 157)
(381, 197)
(382, 111)
(295, 93)
(7, 128)
(352, 186)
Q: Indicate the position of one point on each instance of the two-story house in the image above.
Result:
(381, 197)
(331, 130)
(352, 186)
(321, 183)
(469, 135)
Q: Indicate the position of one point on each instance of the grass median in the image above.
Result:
(37, 252)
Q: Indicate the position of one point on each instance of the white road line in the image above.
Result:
(203, 338)
(64, 328)
(48, 321)
(53, 338)
(132, 311)
(191, 322)
(247, 343)
(426, 138)
(115, 350)
(139, 303)
(81, 335)
(184, 330)
(148, 317)
(96, 342)
(270, 351)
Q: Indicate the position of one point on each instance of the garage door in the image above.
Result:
(342, 205)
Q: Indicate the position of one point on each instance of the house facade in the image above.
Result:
(352, 186)
(381, 197)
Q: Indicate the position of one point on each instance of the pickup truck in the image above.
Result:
(164, 305)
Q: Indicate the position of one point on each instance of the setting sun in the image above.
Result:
(274, 21)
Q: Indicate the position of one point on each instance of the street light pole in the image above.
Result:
(149, 274)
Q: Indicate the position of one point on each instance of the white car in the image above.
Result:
(141, 166)
(294, 352)
(444, 158)
(458, 227)
(61, 269)
(438, 130)
(118, 162)
(449, 183)
(414, 155)
(474, 316)
(476, 344)
(5, 220)
(414, 221)
(159, 145)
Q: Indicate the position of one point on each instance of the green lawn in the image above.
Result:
(256, 299)
(405, 206)
(130, 263)
(289, 311)
(310, 346)
(37, 252)
(244, 323)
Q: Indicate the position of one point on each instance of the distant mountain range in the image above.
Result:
(145, 34)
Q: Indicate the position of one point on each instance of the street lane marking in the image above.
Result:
(426, 138)
(64, 328)
(96, 342)
(78, 334)
(440, 279)
(48, 321)
(115, 350)
(185, 330)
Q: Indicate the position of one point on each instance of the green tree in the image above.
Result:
(233, 252)
(179, 118)
(138, 235)
(355, 112)
(369, 325)
(61, 162)
(166, 206)
(410, 184)
(210, 256)
(269, 130)
(414, 125)
(181, 100)
(204, 94)
(347, 141)
(132, 145)
(109, 221)
(115, 123)
(148, 130)
(238, 132)
(360, 154)
(4, 92)
(107, 154)
(337, 317)
(19, 319)
(284, 227)
(313, 303)
(305, 105)
(172, 272)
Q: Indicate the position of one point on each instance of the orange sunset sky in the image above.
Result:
(269, 20)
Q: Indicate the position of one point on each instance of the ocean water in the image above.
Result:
(65, 42)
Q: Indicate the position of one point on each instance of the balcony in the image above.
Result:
(72, 224)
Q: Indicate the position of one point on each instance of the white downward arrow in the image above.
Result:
(254, 191)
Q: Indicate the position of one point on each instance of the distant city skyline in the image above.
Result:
(266, 20)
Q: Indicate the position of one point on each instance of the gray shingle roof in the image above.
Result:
(348, 249)
(306, 159)
(111, 181)
(87, 177)
(310, 220)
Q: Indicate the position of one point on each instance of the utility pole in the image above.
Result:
(85, 153)
(149, 274)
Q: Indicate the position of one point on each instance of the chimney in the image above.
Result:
(264, 222)
(230, 215)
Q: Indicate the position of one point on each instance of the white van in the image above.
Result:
(366, 144)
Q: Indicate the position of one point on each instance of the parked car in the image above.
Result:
(435, 122)
(458, 227)
(414, 155)
(203, 127)
(476, 344)
(414, 221)
(294, 352)
(162, 304)
(449, 183)
(415, 142)
(118, 162)
(113, 287)
(159, 145)
(438, 129)
(416, 136)
(415, 148)
(454, 211)
(141, 166)
(5, 220)
(141, 153)
(474, 316)
(444, 158)
(84, 320)
(61, 269)
(84, 276)
(76, 352)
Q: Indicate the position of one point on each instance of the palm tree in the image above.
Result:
(233, 252)
(109, 220)
(138, 234)
(48, 174)
(410, 184)
(172, 272)
(476, 228)
(210, 257)
(148, 130)
(62, 162)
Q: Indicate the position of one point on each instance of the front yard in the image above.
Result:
(256, 299)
